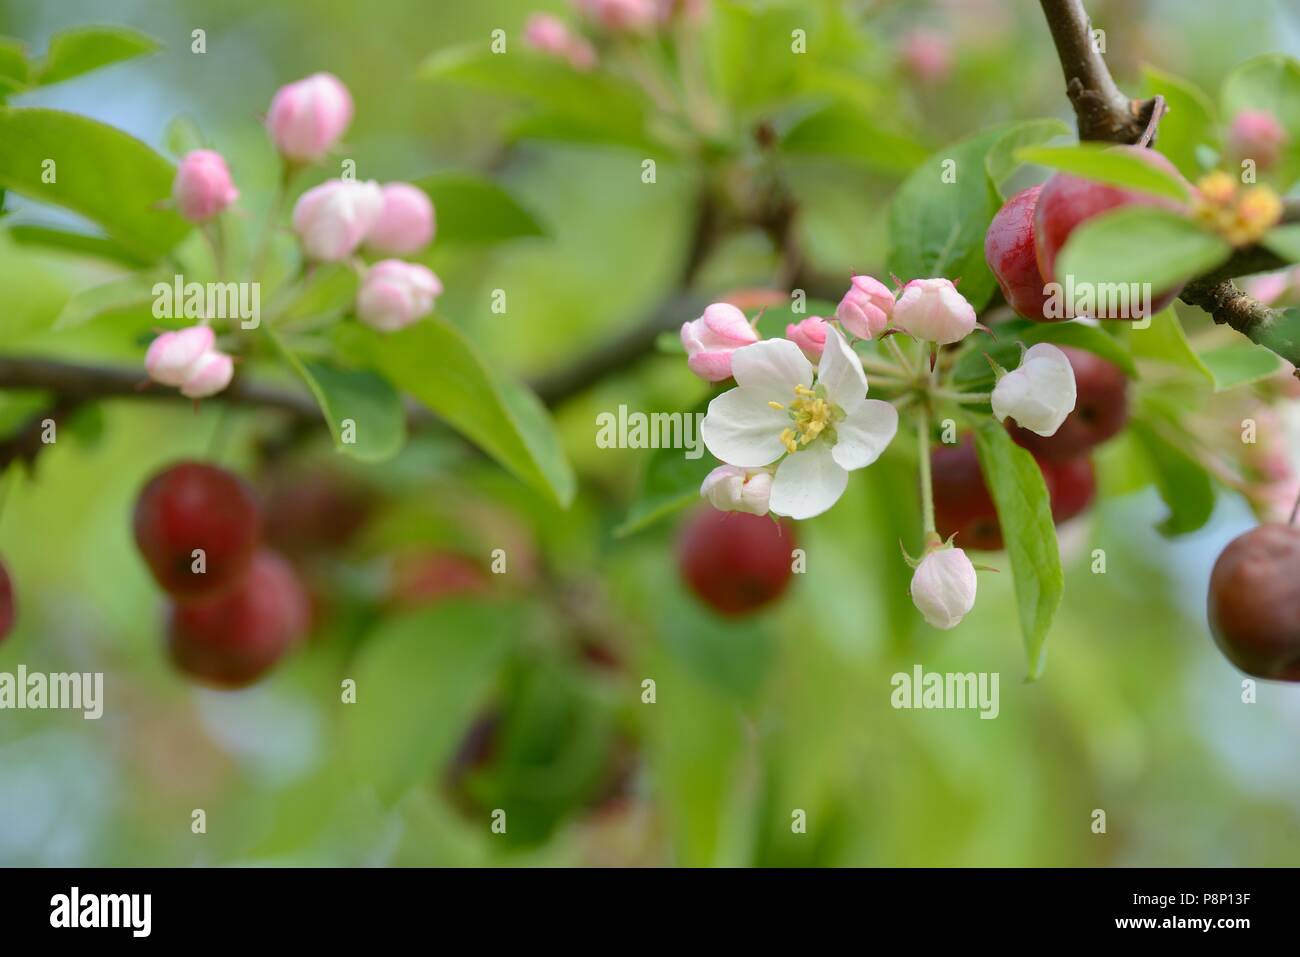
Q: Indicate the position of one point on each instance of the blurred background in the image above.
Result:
(523, 691)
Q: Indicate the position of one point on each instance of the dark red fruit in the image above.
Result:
(962, 503)
(194, 506)
(735, 562)
(422, 578)
(315, 511)
(1254, 602)
(1009, 250)
(233, 639)
(964, 507)
(1071, 484)
(1067, 201)
(6, 603)
(1099, 413)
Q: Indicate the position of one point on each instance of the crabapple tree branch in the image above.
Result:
(1104, 113)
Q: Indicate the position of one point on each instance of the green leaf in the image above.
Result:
(670, 482)
(1164, 341)
(1240, 363)
(1270, 83)
(1188, 125)
(435, 363)
(1025, 513)
(99, 172)
(939, 215)
(1105, 164)
(84, 244)
(129, 292)
(850, 134)
(83, 49)
(1285, 241)
(1139, 246)
(600, 104)
(1183, 484)
(420, 682)
(329, 289)
(14, 68)
(1001, 160)
(362, 409)
(183, 136)
(472, 209)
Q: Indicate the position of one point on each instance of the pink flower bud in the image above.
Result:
(809, 335)
(333, 218)
(927, 55)
(405, 223)
(943, 587)
(1258, 136)
(865, 309)
(551, 35)
(209, 375)
(711, 339)
(933, 310)
(202, 187)
(172, 356)
(307, 118)
(620, 16)
(395, 294)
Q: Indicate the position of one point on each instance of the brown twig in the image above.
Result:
(1105, 114)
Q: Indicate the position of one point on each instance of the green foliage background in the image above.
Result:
(1136, 712)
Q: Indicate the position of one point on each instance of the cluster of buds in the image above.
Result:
(798, 420)
(550, 35)
(189, 360)
(1242, 216)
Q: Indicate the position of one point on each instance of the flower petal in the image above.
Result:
(865, 434)
(771, 368)
(742, 429)
(807, 483)
(840, 371)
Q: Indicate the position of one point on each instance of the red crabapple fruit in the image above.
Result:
(197, 527)
(1011, 255)
(1254, 602)
(7, 609)
(735, 562)
(233, 639)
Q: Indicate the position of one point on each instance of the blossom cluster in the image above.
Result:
(333, 222)
(798, 420)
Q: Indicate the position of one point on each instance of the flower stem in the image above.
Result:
(971, 398)
(927, 481)
(258, 261)
(898, 354)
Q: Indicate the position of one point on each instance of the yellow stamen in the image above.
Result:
(777, 405)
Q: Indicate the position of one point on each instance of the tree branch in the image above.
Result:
(1105, 114)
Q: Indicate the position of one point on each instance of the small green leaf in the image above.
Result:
(129, 292)
(1001, 160)
(84, 244)
(421, 681)
(14, 68)
(362, 409)
(1139, 246)
(434, 362)
(850, 134)
(1183, 483)
(98, 171)
(472, 209)
(1285, 241)
(1164, 341)
(1240, 363)
(183, 136)
(83, 49)
(671, 481)
(328, 290)
(598, 102)
(1105, 164)
(1025, 513)
(1189, 123)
